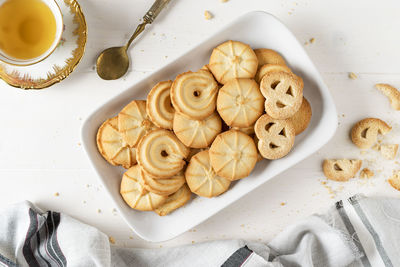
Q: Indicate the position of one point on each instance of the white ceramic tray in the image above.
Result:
(259, 29)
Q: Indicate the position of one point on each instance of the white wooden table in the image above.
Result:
(40, 151)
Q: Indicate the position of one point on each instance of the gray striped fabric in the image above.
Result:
(359, 231)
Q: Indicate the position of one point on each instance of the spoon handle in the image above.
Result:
(148, 18)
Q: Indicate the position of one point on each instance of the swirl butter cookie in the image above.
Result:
(302, 117)
(197, 133)
(233, 155)
(202, 179)
(233, 59)
(283, 93)
(162, 187)
(365, 132)
(194, 94)
(240, 102)
(276, 137)
(133, 122)
(268, 56)
(264, 69)
(112, 146)
(135, 195)
(174, 201)
(341, 169)
(159, 107)
(161, 154)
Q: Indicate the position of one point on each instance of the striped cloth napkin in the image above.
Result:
(359, 231)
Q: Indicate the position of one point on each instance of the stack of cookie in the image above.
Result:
(243, 106)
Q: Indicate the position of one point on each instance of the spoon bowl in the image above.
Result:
(112, 63)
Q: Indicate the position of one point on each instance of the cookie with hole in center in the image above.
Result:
(233, 155)
(161, 154)
(364, 133)
(283, 93)
(233, 59)
(194, 94)
(133, 122)
(162, 187)
(264, 69)
(159, 107)
(240, 102)
(112, 146)
(341, 169)
(197, 133)
(135, 195)
(174, 201)
(302, 117)
(268, 56)
(202, 179)
(276, 137)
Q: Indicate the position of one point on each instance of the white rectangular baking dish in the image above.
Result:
(259, 29)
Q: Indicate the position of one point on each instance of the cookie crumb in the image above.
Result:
(312, 40)
(242, 225)
(56, 194)
(193, 242)
(131, 237)
(207, 15)
(394, 180)
(376, 147)
(389, 151)
(84, 202)
(352, 75)
(112, 240)
(223, 1)
(283, 203)
(98, 210)
(79, 144)
(366, 173)
(363, 152)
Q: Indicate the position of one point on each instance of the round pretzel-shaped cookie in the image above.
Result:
(159, 107)
(113, 147)
(341, 169)
(233, 59)
(233, 155)
(161, 154)
(276, 137)
(135, 195)
(133, 122)
(283, 92)
(202, 179)
(197, 133)
(264, 69)
(240, 102)
(302, 117)
(365, 132)
(194, 94)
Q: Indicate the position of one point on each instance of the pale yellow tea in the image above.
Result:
(27, 28)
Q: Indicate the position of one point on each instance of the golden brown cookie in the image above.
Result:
(161, 154)
(259, 157)
(341, 169)
(135, 195)
(174, 201)
(389, 151)
(133, 122)
(112, 146)
(159, 107)
(193, 151)
(233, 155)
(197, 133)
(233, 59)
(202, 179)
(392, 93)
(194, 94)
(366, 173)
(162, 187)
(394, 180)
(264, 69)
(283, 92)
(268, 56)
(365, 132)
(302, 117)
(276, 137)
(240, 102)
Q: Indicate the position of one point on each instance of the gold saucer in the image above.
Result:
(61, 62)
